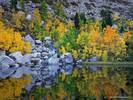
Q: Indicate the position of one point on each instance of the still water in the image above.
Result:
(83, 82)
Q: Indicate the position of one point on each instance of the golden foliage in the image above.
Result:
(11, 41)
(36, 19)
(56, 25)
(18, 19)
(11, 88)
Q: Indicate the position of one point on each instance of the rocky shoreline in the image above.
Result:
(44, 63)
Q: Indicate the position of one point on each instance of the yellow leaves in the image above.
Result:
(12, 41)
(18, 18)
(56, 24)
(82, 38)
(127, 36)
(48, 25)
(94, 36)
(61, 29)
(62, 50)
(37, 17)
(105, 55)
(70, 25)
(61, 94)
(110, 35)
(75, 54)
(75, 73)
(12, 87)
(36, 20)
(63, 76)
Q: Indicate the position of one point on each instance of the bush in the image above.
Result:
(43, 10)
(11, 41)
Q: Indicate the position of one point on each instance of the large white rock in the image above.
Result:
(18, 57)
(5, 60)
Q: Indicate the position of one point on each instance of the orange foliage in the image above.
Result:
(110, 35)
(127, 36)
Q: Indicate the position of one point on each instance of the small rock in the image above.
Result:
(38, 42)
(67, 58)
(29, 17)
(44, 54)
(67, 69)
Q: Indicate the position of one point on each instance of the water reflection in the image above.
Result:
(91, 82)
(82, 82)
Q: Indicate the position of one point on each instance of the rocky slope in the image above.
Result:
(89, 7)
(93, 7)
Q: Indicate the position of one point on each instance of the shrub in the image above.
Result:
(59, 9)
(13, 3)
(43, 10)
(11, 41)
(18, 19)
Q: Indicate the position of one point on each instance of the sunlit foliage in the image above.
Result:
(36, 20)
(18, 19)
(84, 84)
(12, 41)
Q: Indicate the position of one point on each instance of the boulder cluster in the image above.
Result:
(44, 63)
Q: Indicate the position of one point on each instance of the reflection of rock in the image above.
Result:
(67, 69)
(28, 38)
(7, 73)
(21, 71)
(93, 68)
(93, 59)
